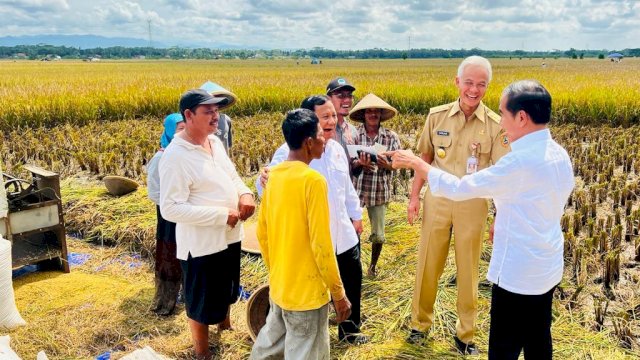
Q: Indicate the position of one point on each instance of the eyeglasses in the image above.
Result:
(343, 96)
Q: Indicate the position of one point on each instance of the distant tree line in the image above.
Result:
(120, 52)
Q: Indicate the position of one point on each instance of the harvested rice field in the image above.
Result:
(106, 118)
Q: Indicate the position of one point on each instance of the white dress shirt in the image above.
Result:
(197, 189)
(344, 203)
(530, 187)
(153, 178)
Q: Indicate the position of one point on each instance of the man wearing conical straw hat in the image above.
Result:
(373, 176)
(461, 138)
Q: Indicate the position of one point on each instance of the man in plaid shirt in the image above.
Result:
(373, 175)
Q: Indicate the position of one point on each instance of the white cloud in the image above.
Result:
(345, 24)
(36, 5)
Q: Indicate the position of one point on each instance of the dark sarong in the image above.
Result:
(168, 273)
(211, 284)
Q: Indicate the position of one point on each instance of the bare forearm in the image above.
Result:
(418, 182)
(421, 169)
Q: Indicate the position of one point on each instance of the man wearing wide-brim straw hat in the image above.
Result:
(373, 175)
(224, 132)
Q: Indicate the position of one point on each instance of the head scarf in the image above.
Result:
(170, 125)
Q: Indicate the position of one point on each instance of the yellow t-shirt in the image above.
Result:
(295, 241)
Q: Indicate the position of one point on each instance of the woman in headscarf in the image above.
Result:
(168, 274)
(373, 175)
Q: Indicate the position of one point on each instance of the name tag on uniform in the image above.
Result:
(443, 133)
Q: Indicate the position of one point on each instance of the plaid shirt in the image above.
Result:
(374, 186)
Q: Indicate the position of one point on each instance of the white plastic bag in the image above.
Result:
(5, 350)
(9, 315)
(145, 353)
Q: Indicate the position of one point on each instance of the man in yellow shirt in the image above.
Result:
(295, 242)
(461, 138)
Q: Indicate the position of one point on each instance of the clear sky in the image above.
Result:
(340, 24)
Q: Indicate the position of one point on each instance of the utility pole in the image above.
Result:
(409, 51)
(150, 42)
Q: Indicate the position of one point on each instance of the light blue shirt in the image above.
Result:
(530, 187)
(344, 203)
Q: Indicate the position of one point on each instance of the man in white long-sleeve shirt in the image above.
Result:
(530, 187)
(202, 193)
(345, 213)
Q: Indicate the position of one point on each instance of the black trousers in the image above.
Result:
(350, 269)
(520, 322)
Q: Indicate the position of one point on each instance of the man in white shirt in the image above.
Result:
(530, 187)
(202, 193)
(345, 213)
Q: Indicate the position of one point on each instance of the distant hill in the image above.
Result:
(81, 41)
(96, 41)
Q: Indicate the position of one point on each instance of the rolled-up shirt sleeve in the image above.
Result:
(495, 181)
(352, 202)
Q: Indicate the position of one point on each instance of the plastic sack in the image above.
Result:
(5, 350)
(9, 315)
(146, 353)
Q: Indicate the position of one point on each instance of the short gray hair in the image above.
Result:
(475, 60)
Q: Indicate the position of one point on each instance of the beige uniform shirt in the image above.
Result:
(448, 138)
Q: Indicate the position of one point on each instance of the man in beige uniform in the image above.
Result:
(461, 137)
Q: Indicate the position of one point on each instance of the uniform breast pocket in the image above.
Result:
(484, 154)
(441, 146)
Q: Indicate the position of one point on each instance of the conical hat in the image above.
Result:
(257, 310)
(372, 102)
(218, 91)
(118, 185)
(250, 242)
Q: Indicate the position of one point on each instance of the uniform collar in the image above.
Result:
(479, 113)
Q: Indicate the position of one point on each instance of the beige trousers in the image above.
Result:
(441, 217)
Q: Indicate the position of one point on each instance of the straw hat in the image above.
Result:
(218, 91)
(372, 102)
(118, 185)
(250, 242)
(257, 310)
